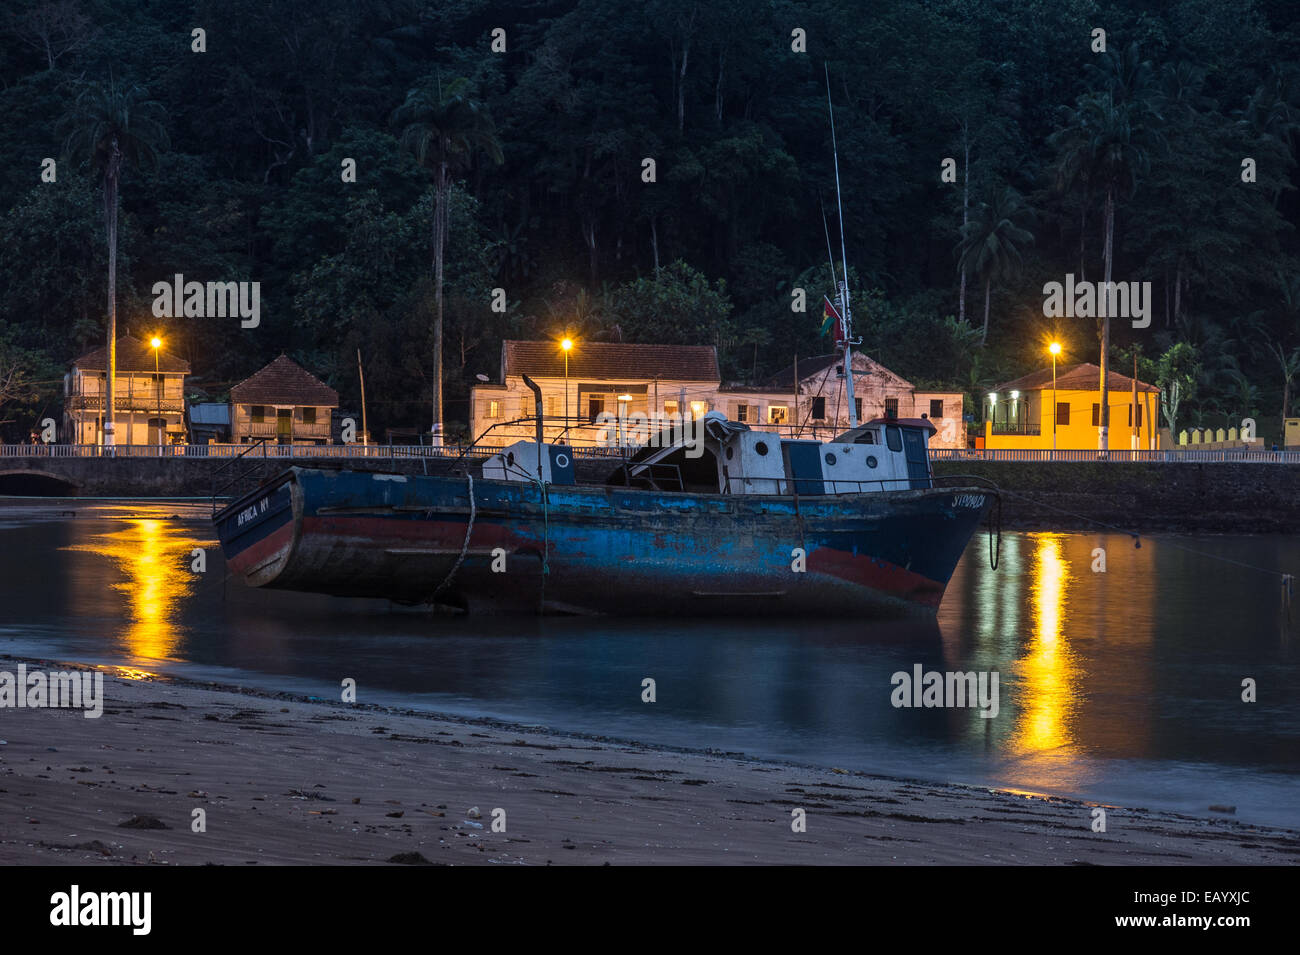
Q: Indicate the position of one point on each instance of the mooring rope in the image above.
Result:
(464, 548)
(995, 551)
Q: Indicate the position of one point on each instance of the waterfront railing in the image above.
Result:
(1179, 455)
(394, 451)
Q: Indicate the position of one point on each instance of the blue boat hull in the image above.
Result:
(591, 549)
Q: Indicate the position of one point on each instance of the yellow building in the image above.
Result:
(1018, 413)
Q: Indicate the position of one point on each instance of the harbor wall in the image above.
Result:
(1215, 497)
(1245, 498)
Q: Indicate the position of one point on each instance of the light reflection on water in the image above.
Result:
(1123, 685)
(152, 557)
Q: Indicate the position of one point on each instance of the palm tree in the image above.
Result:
(1289, 366)
(113, 127)
(993, 243)
(444, 128)
(1107, 146)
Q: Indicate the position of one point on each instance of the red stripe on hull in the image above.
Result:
(878, 575)
(257, 554)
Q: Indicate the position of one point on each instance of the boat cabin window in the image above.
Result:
(866, 437)
(894, 437)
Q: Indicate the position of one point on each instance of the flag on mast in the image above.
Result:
(831, 319)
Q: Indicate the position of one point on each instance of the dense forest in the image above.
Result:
(652, 170)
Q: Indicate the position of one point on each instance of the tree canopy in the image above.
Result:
(665, 175)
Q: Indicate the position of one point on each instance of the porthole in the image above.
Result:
(561, 460)
(760, 448)
(871, 461)
(830, 458)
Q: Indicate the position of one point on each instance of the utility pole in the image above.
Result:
(365, 431)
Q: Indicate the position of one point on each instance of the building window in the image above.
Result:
(936, 407)
(257, 414)
(857, 408)
(742, 412)
(1096, 416)
(819, 409)
(670, 407)
(891, 407)
(308, 415)
(1062, 412)
(595, 408)
(777, 414)
(494, 409)
(552, 407)
(1130, 416)
(699, 408)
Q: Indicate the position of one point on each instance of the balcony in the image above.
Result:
(173, 404)
(278, 429)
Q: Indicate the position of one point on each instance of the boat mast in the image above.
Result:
(845, 317)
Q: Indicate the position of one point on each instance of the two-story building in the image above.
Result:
(1019, 414)
(283, 403)
(624, 380)
(148, 395)
(810, 399)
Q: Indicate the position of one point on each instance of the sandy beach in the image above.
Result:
(283, 779)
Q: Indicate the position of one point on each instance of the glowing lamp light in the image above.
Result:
(156, 342)
(1054, 348)
(993, 397)
(1015, 396)
(566, 344)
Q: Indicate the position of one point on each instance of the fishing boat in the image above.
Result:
(710, 518)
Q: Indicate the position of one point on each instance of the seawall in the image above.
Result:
(1255, 498)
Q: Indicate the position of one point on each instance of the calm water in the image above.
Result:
(1121, 686)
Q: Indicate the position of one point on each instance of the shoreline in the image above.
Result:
(289, 779)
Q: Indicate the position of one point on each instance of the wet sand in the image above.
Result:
(283, 779)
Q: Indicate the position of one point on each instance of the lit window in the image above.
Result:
(777, 414)
(698, 408)
(670, 407)
(494, 409)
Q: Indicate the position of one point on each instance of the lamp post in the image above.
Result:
(623, 401)
(156, 342)
(567, 346)
(1055, 349)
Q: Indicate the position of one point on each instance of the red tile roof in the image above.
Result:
(611, 361)
(133, 355)
(284, 382)
(1084, 377)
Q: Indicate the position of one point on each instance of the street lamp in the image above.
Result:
(567, 346)
(623, 401)
(1055, 349)
(156, 342)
